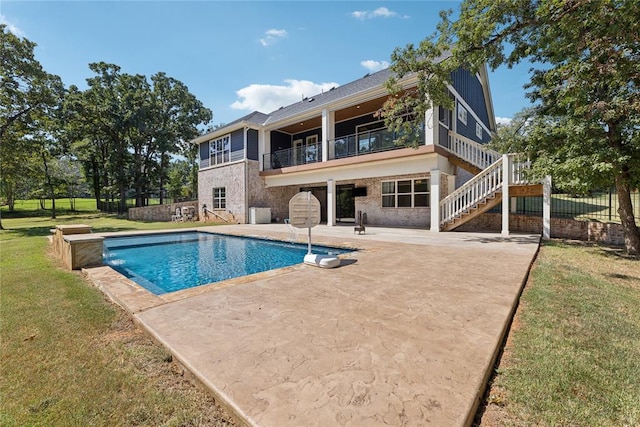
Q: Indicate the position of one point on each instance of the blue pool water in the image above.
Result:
(170, 262)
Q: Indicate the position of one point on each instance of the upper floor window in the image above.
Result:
(479, 131)
(462, 114)
(220, 150)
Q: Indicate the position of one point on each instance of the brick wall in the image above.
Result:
(371, 204)
(276, 198)
(563, 228)
(159, 212)
(231, 177)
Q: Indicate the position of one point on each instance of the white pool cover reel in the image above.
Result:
(324, 261)
(304, 212)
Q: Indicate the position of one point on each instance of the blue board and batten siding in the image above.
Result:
(470, 89)
(252, 144)
(237, 144)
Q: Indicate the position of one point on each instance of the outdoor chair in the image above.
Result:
(178, 216)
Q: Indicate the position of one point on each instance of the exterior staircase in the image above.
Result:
(493, 173)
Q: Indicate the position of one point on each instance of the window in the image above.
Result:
(462, 114)
(407, 193)
(220, 150)
(220, 198)
(312, 149)
(479, 131)
(444, 116)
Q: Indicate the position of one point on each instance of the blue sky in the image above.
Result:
(238, 56)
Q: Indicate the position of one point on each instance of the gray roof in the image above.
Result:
(256, 117)
(367, 82)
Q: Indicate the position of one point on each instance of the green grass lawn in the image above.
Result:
(573, 355)
(32, 207)
(70, 357)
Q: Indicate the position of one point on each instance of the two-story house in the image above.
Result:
(336, 146)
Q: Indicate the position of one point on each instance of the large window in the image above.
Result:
(406, 193)
(220, 150)
(220, 198)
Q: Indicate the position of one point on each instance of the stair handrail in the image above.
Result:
(479, 155)
(217, 215)
(472, 192)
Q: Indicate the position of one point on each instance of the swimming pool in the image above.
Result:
(170, 262)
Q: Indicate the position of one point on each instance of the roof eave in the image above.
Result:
(223, 131)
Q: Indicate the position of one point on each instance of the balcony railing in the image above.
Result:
(293, 157)
(359, 144)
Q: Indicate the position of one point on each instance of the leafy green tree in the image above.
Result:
(29, 96)
(179, 179)
(585, 83)
(126, 128)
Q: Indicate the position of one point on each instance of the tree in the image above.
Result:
(179, 179)
(28, 95)
(585, 83)
(126, 128)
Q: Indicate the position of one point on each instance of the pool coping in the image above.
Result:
(134, 298)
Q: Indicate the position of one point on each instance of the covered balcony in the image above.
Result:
(367, 141)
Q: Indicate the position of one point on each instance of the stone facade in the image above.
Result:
(231, 176)
(562, 228)
(159, 213)
(76, 246)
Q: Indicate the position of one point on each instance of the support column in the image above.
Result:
(264, 147)
(431, 126)
(328, 124)
(331, 203)
(546, 207)
(506, 180)
(435, 200)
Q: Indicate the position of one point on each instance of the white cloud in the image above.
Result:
(381, 12)
(11, 27)
(503, 120)
(373, 65)
(271, 36)
(267, 98)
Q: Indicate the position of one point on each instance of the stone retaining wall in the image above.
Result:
(563, 228)
(160, 212)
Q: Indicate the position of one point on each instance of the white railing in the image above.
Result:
(472, 192)
(470, 151)
(518, 174)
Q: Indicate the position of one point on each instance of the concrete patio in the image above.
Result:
(404, 333)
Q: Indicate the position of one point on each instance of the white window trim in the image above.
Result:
(460, 100)
(226, 152)
(219, 199)
(413, 193)
(479, 132)
(462, 114)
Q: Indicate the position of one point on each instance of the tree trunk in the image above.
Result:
(625, 210)
(123, 199)
(163, 164)
(95, 180)
(49, 184)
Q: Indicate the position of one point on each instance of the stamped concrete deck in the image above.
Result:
(403, 333)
